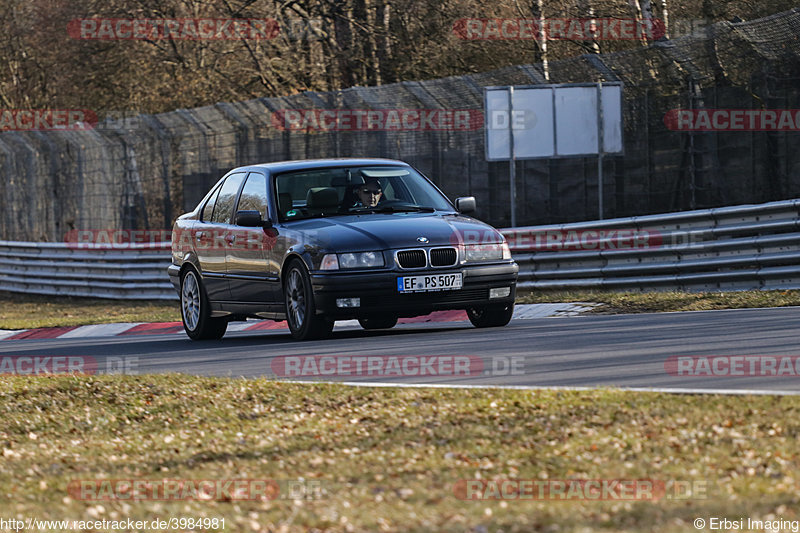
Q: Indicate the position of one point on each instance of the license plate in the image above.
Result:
(429, 282)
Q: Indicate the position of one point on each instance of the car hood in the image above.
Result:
(394, 230)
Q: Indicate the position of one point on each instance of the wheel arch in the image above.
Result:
(289, 259)
(190, 263)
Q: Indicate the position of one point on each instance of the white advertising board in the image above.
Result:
(552, 121)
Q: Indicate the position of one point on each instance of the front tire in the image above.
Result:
(378, 322)
(196, 311)
(301, 310)
(491, 316)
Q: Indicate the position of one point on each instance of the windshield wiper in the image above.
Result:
(394, 209)
(401, 208)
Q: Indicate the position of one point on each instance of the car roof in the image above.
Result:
(306, 164)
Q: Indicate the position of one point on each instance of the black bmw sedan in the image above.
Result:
(312, 242)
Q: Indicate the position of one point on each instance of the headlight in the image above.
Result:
(486, 252)
(352, 260)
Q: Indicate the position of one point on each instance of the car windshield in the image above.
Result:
(355, 190)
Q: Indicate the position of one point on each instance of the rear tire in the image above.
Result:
(301, 310)
(491, 316)
(196, 311)
(378, 322)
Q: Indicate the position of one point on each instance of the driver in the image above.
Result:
(369, 193)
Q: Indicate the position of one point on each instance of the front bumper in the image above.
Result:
(379, 295)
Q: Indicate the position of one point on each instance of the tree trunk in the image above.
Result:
(343, 38)
(643, 10)
(537, 9)
(383, 50)
(592, 46)
(665, 17)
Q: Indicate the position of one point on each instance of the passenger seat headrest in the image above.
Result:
(321, 197)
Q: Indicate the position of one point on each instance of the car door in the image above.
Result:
(252, 277)
(210, 237)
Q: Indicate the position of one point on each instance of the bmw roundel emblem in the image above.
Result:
(422, 239)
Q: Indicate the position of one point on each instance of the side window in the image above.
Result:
(254, 195)
(208, 209)
(223, 209)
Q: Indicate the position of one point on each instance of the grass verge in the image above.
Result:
(654, 302)
(26, 311)
(389, 459)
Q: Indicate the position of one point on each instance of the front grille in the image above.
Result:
(411, 258)
(441, 257)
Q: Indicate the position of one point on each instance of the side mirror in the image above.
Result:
(251, 219)
(465, 204)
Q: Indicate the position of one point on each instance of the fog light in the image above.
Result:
(502, 292)
(348, 302)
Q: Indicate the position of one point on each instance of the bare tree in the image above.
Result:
(664, 17)
(643, 11)
(323, 45)
(536, 9)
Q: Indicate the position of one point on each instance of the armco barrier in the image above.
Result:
(731, 248)
(135, 272)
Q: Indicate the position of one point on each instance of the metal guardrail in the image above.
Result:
(731, 248)
(132, 272)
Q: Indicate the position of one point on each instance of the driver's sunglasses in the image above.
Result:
(367, 190)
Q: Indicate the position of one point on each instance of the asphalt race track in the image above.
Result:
(632, 351)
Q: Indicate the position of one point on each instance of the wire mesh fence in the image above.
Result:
(142, 171)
